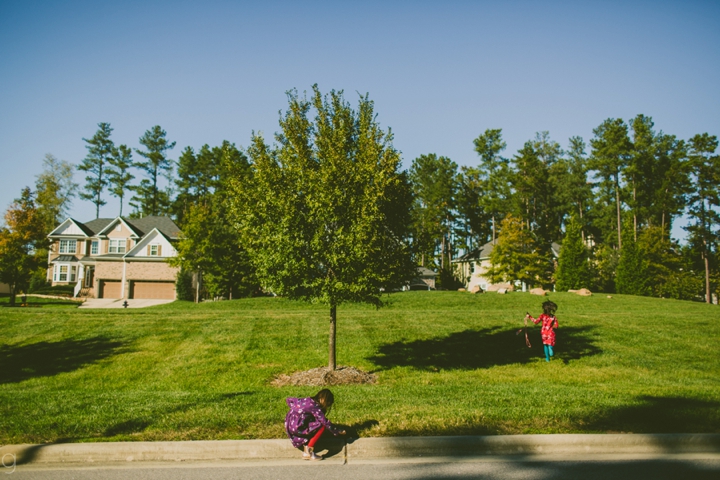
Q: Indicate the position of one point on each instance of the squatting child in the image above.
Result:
(306, 421)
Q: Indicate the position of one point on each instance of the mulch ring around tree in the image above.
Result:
(323, 376)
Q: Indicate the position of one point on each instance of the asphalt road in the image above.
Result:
(695, 467)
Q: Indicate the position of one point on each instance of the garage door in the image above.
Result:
(109, 289)
(160, 290)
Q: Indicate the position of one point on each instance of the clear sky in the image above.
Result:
(440, 73)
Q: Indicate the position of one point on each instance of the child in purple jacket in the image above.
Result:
(306, 421)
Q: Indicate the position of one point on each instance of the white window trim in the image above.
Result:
(118, 243)
(71, 271)
(67, 244)
(94, 247)
(156, 247)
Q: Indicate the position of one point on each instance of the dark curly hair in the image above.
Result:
(549, 307)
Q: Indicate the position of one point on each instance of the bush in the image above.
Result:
(183, 286)
(60, 290)
(447, 280)
(38, 282)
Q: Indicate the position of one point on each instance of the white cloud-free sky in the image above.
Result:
(440, 73)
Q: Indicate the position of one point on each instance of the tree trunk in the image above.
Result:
(13, 294)
(708, 296)
(331, 343)
(617, 204)
(634, 211)
(493, 228)
(197, 286)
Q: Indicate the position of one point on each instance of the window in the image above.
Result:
(94, 247)
(63, 273)
(154, 250)
(73, 273)
(117, 245)
(68, 246)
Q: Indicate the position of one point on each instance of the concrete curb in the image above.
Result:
(363, 448)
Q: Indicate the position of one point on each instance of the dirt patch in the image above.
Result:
(323, 376)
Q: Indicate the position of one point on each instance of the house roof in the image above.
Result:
(425, 272)
(97, 225)
(65, 259)
(144, 225)
(484, 252)
(140, 226)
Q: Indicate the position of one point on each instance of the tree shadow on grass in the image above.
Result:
(44, 359)
(660, 415)
(484, 348)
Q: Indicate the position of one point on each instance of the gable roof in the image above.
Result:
(484, 252)
(145, 241)
(165, 225)
(72, 221)
(139, 226)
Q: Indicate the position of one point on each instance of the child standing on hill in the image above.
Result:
(306, 421)
(549, 324)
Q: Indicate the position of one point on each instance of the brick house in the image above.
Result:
(115, 257)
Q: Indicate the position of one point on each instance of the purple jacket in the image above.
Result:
(304, 420)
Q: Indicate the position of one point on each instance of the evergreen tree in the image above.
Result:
(573, 267)
(632, 270)
(118, 174)
(573, 191)
(100, 149)
(476, 223)
(704, 200)
(610, 152)
(150, 199)
(494, 175)
(210, 246)
(434, 181)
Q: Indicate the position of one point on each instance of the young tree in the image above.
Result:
(324, 214)
(518, 257)
(22, 234)
(610, 151)
(149, 198)
(100, 149)
(118, 174)
(573, 268)
(494, 173)
(704, 199)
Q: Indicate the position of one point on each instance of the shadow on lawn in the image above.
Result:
(660, 415)
(43, 359)
(488, 347)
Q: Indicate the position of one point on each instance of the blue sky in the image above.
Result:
(440, 73)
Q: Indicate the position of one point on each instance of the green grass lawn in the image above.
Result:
(448, 363)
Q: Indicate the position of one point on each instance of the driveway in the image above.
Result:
(118, 303)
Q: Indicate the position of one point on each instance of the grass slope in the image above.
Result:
(448, 363)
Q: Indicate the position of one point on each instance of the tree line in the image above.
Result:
(610, 203)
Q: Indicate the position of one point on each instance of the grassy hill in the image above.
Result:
(448, 363)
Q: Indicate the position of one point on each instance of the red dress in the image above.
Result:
(547, 332)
